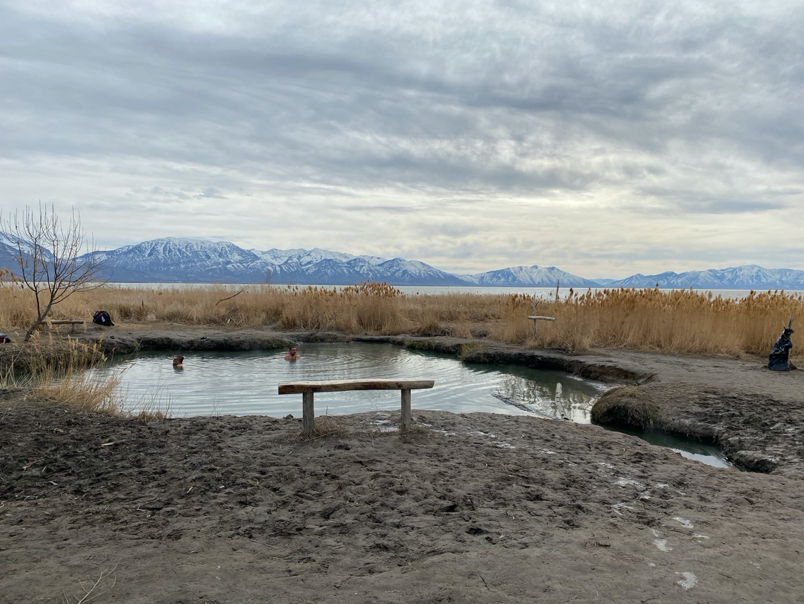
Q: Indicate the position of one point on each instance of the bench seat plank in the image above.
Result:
(71, 322)
(342, 385)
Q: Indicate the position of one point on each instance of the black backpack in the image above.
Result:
(102, 318)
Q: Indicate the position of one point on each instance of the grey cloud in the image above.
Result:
(728, 206)
(688, 201)
(390, 209)
(280, 96)
(169, 193)
(506, 100)
(211, 193)
(679, 259)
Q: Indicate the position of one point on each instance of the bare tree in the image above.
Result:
(49, 256)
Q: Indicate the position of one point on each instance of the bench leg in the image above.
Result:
(405, 421)
(308, 413)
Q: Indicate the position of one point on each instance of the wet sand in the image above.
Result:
(463, 508)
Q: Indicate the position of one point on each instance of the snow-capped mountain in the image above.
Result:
(197, 261)
(749, 276)
(530, 276)
(9, 252)
(302, 256)
(181, 260)
(412, 272)
(190, 260)
(8, 255)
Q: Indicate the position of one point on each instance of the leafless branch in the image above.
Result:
(49, 257)
(90, 589)
(229, 298)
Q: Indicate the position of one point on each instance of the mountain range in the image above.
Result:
(175, 260)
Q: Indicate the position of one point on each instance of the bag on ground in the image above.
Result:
(779, 357)
(102, 318)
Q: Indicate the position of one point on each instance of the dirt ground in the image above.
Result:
(464, 508)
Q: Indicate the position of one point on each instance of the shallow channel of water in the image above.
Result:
(691, 449)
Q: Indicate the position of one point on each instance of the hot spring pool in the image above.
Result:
(245, 383)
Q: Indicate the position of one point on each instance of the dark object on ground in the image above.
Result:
(4, 339)
(779, 358)
(102, 318)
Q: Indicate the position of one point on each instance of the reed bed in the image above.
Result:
(63, 371)
(54, 370)
(682, 321)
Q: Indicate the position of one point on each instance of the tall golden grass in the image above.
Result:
(55, 370)
(64, 371)
(680, 321)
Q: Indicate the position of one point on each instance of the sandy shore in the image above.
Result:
(464, 508)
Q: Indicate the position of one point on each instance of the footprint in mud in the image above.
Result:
(660, 543)
(687, 524)
(688, 580)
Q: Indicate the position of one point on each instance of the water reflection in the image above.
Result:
(547, 399)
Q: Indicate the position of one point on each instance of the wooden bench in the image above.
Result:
(71, 322)
(307, 390)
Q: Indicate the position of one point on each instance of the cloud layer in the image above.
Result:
(604, 138)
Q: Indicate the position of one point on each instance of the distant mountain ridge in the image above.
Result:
(749, 276)
(178, 260)
(188, 260)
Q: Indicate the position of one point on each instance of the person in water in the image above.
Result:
(292, 355)
(177, 362)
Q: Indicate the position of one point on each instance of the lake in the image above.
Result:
(423, 290)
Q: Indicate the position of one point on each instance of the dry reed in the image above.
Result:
(82, 390)
(682, 321)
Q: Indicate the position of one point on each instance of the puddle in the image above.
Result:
(691, 449)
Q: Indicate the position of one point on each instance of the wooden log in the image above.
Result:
(308, 413)
(404, 422)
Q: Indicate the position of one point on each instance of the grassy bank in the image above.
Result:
(60, 371)
(680, 321)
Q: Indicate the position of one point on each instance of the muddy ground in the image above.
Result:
(464, 508)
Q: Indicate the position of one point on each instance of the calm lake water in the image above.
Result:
(413, 290)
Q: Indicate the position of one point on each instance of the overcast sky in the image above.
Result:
(605, 138)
